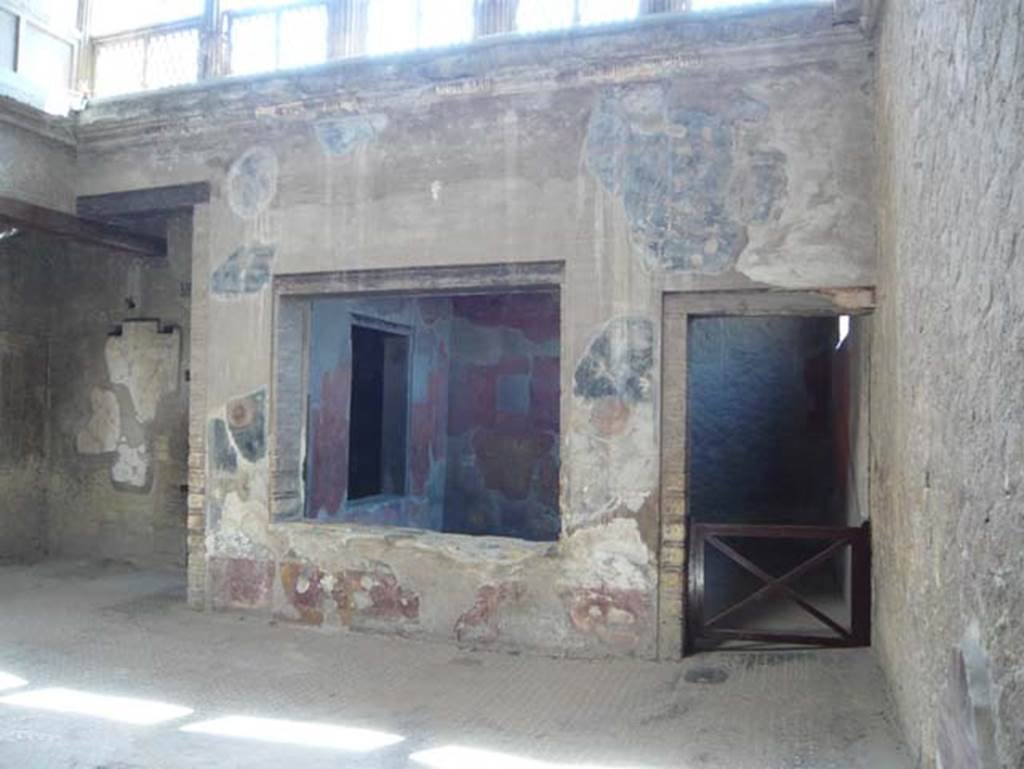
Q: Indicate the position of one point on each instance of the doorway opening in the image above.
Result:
(378, 412)
(778, 541)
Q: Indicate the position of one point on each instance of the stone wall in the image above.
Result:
(947, 392)
(37, 167)
(722, 152)
(24, 357)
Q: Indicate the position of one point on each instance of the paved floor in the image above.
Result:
(110, 630)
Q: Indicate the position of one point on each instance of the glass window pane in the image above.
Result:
(45, 60)
(303, 36)
(8, 39)
(607, 11)
(253, 44)
(241, 5)
(120, 67)
(446, 22)
(61, 14)
(110, 16)
(391, 26)
(173, 59)
(542, 15)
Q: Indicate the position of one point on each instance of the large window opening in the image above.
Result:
(428, 412)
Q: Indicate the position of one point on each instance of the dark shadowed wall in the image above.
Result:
(503, 429)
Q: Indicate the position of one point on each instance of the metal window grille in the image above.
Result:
(252, 36)
(154, 58)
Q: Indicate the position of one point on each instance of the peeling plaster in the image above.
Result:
(614, 424)
(247, 422)
(101, 433)
(131, 468)
(481, 623)
(344, 135)
(144, 360)
(252, 182)
(246, 271)
(687, 183)
(612, 555)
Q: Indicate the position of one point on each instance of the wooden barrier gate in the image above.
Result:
(836, 540)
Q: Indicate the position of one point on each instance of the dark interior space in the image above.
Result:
(378, 413)
(763, 421)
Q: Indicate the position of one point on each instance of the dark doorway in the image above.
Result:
(772, 553)
(378, 416)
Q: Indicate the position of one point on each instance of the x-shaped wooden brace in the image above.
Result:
(779, 584)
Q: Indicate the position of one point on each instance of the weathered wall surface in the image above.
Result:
(93, 447)
(119, 403)
(34, 167)
(23, 365)
(503, 426)
(726, 152)
(947, 391)
(37, 168)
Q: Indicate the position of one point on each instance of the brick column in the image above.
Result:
(673, 550)
(198, 328)
(494, 17)
(649, 7)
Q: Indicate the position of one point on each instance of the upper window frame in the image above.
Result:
(72, 35)
(348, 33)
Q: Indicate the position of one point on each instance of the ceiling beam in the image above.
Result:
(18, 213)
(180, 197)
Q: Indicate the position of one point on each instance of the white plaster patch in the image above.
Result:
(242, 531)
(146, 362)
(132, 466)
(613, 555)
(435, 190)
(597, 493)
(101, 433)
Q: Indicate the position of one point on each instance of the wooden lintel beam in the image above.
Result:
(179, 197)
(18, 213)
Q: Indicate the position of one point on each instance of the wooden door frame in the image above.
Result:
(677, 309)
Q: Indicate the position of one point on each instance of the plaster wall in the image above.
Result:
(92, 460)
(725, 152)
(118, 403)
(36, 169)
(947, 395)
(23, 520)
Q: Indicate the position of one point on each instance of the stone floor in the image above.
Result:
(111, 630)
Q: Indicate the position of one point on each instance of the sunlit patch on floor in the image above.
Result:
(9, 681)
(460, 757)
(124, 709)
(302, 733)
